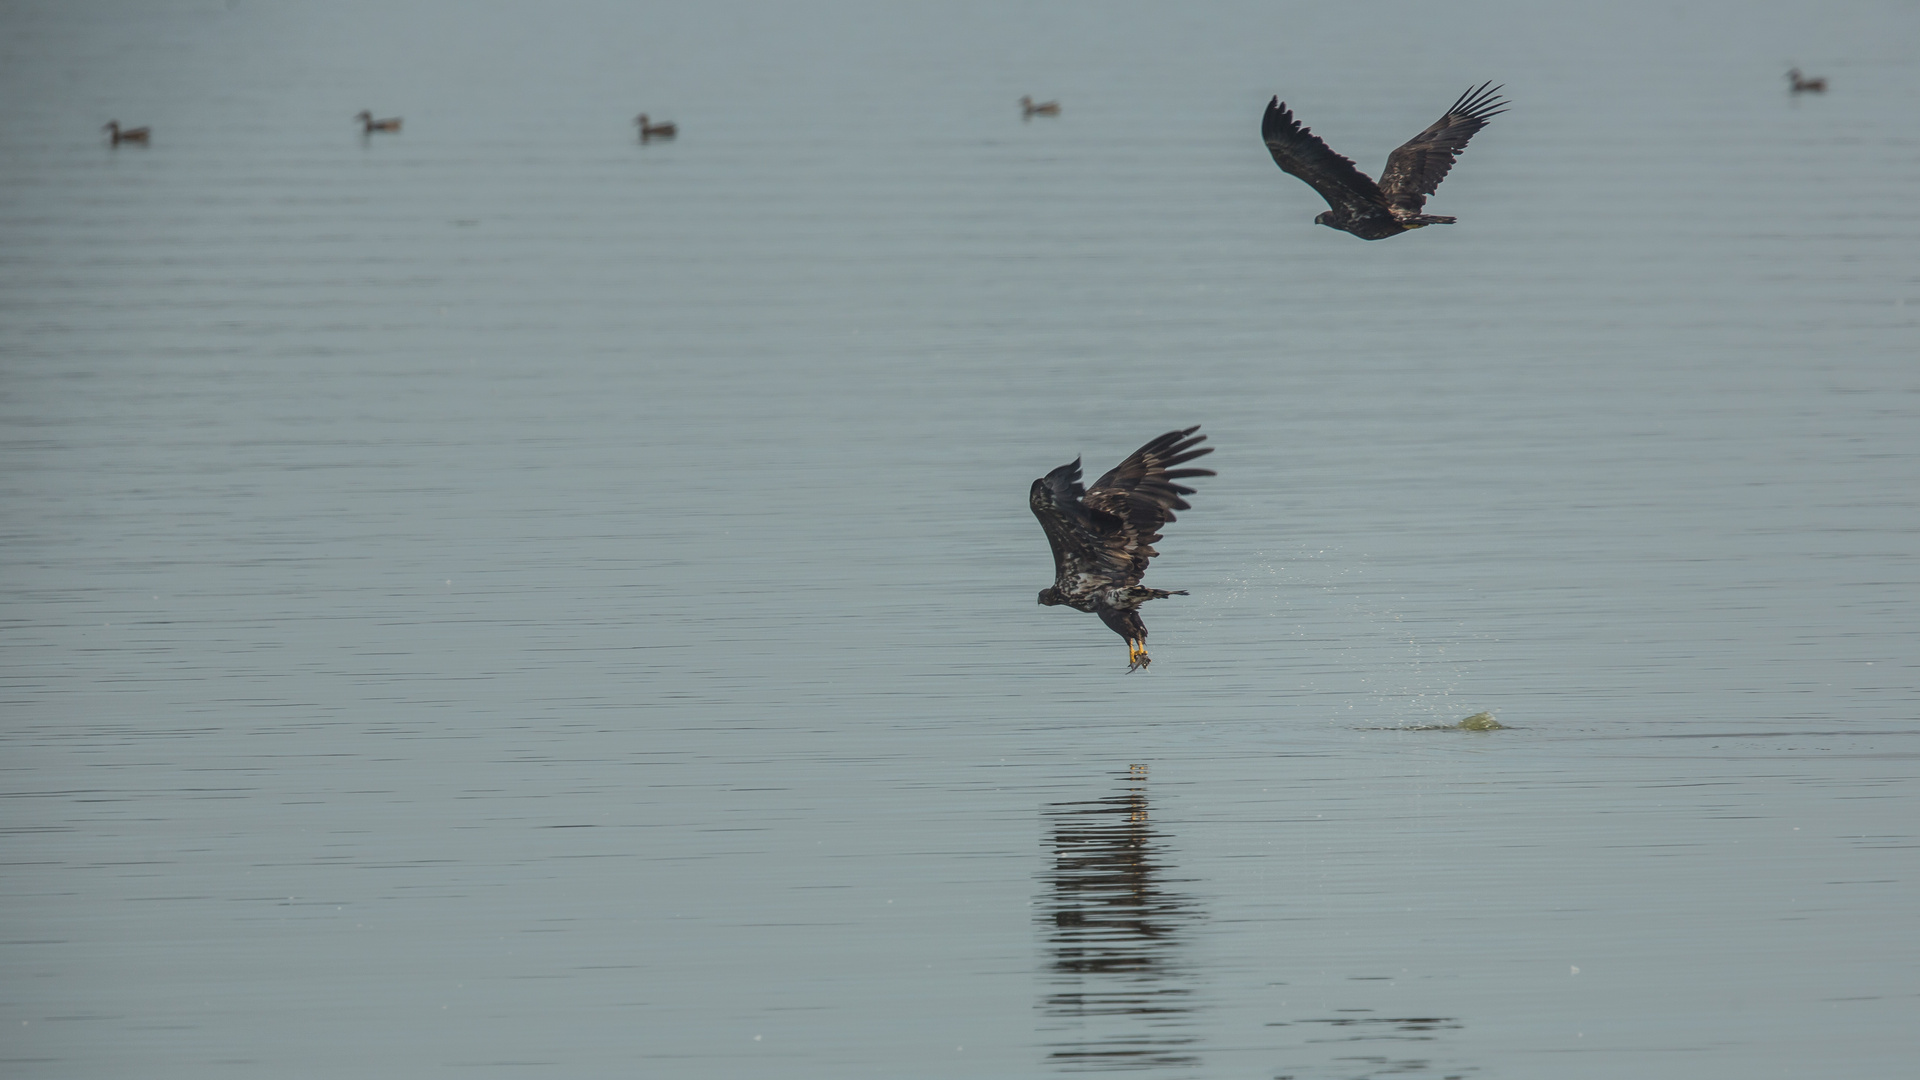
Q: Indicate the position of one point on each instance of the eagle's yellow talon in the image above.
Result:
(1137, 655)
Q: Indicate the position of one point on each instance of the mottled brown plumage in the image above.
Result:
(1102, 539)
(1375, 211)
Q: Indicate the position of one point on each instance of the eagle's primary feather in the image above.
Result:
(1102, 539)
(1358, 205)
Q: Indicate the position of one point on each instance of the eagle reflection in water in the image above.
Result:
(1120, 996)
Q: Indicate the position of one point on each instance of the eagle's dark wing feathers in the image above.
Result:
(1107, 533)
(1103, 538)
(1055, 500)
(1415, 170)
(1297, 150)
(1127, 506)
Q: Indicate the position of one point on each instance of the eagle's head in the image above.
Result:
(1050, 597)
(1331, 220)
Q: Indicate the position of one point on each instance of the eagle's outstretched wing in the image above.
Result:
(1129, 504)
(1415, 170)
(1297, 150)
(1108, 532)
(1055, 500)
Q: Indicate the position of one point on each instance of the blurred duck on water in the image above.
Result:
(368, 125)
(1803, 85)
(119, 135)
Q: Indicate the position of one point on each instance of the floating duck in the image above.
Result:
(1045, 108)
(369, 125)
(120, 135)
(650, 130)
(1804, 85)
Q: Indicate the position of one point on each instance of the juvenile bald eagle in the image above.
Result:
(1103, 538)
(1373, 211)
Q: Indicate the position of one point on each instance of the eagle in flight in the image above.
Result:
(1373, 211)
(1103, 538)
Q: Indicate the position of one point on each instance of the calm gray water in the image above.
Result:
(502, 599)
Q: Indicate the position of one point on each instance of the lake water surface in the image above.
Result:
(503, 599)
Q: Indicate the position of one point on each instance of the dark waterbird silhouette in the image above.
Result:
(650, 130)
(1801, 84)
(369, 125)
(1373, 211)
(1103, 538)
(118, 134)
(1044, 108)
